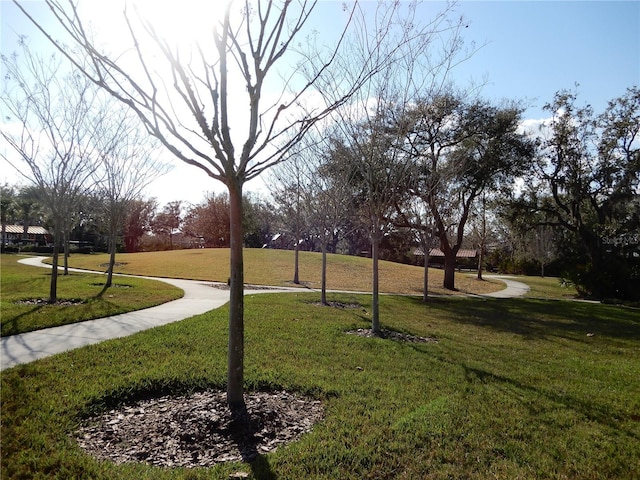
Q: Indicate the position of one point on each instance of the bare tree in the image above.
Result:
(371, 128)
(128, 163)
(192, 113)
(53, 137)
(329, 206)
(415, 215)
(289, 184)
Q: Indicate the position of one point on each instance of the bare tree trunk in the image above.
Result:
(483, 235)
(53, 286)
(296, 268)
(480, 260)
(66, 250)
(112, 261)
(323, 294)
(425, 287)
(375, 315)
(235, 373)
(449, 270)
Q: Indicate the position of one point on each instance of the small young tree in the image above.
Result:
(329, 207)
(128, 163)
(54, 149)
(289, 184)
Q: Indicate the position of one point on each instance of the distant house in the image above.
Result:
(466, 257)
(35, 235)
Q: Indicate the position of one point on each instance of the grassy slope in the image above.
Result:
(512, 389)
(275, 267)
(20, 282)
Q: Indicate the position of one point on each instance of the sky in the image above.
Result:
(528, 50)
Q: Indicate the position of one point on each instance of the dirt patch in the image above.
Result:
(391, 335)
(44, 301)
(198, 430)
(116, 264)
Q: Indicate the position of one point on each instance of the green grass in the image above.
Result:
(513, 389)
(275, 267)
(549, 287)
(20, 282)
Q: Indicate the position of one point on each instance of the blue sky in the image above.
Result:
(531, 50)
(535, 48)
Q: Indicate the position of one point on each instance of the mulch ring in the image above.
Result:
(198, 430)
(391, 335)
(44, 301)
(340, 305)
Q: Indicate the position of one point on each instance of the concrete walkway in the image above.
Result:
(199, 297)
(514, 289)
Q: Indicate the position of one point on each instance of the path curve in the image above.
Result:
(199, 297)
(514, 288)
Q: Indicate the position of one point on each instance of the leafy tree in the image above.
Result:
(209, 221)
(168, 221)
(7, 209)
(258, 221)
(29, 207)
(588, 186)
(461, 149)
(138, 222)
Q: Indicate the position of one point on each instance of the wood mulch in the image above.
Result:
(391, 335)
(198, 430)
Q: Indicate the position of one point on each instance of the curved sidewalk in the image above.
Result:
(514, 288)
(199, 297)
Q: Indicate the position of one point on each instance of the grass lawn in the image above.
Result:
(512, 389)
(548, 287)
(22, 282)
(275, 267)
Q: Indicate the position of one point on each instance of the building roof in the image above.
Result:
(436, 252)
(31, 230)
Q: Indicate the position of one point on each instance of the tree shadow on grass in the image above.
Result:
(543, 319)
(585, 406)
(243, 433)
(12, 325)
